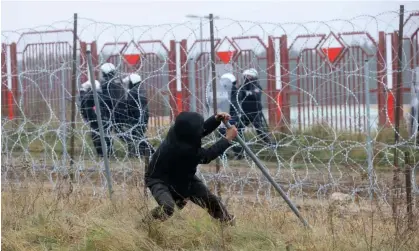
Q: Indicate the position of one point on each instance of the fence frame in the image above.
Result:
(279, 101)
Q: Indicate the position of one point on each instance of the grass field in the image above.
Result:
(36, 217)
(74, 217)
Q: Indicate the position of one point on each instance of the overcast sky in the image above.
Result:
(260, 18)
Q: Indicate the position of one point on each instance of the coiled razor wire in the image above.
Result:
(308, 164)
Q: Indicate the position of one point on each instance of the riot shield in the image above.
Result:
(223, 86)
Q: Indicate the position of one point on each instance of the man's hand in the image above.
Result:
(222, 116)
(231, 133)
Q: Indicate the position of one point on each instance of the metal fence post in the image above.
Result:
(99, 119)
(63, 114)
(214, 96)
(368, 130)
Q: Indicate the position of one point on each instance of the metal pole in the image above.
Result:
(73, 90)
(214, 94)
(63, 114)
(192, 83)
(368, 129)
(269, 177)
(99, 120)
(399, 84)
(398, 111)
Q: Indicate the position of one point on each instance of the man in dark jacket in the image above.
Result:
(113, 95)
(250, 100)
(171, 174)
(87, 110)
(137, 116)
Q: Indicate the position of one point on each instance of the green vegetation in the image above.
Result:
(318, 145)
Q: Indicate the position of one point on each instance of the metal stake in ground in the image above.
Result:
(63, 115)
(368, 128)
(214, 95)
(73, 90)
(269, 178)
(99, 120)
(398, 112)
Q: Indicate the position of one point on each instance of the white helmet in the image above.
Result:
(107, 68)
(86, 86)
(252, 72)
(134, 78)
(229, 76)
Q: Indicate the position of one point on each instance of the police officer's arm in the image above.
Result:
(81, 103)
(252, 87)
(234, 106)
(144, 106)
(86, 107)
(206, 155)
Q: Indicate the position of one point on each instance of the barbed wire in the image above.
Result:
(315, 104)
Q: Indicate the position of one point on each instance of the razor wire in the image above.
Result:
(319, 142)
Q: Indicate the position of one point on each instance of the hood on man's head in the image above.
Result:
(189, 127)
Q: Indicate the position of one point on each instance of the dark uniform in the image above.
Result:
(114, 109)
(171, 174)
(246, 107)
(87, 109)
(250, 101)
(137, 117)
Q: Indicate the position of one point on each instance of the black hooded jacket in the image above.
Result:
(235, 104)
(113, 94)
(86, 105)
(175, 161)
(250, 96)
(137, 105)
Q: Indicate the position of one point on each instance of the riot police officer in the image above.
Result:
(227, 102)
(248, 98)
(137, 116)
(113, 96)
(87, 110)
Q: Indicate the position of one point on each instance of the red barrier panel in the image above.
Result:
(381, 79)
(174, 95)
(46, 69)
(330, 91)
(83, 61)
(199, 54)
(314, 89)
(116, 53)
(411, 31)
(154, 69)
(4, 83)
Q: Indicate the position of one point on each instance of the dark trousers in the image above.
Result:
(198, 193)
(96, 140)
(133, 135)
(138, 144)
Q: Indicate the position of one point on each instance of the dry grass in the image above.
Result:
(35, 217)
